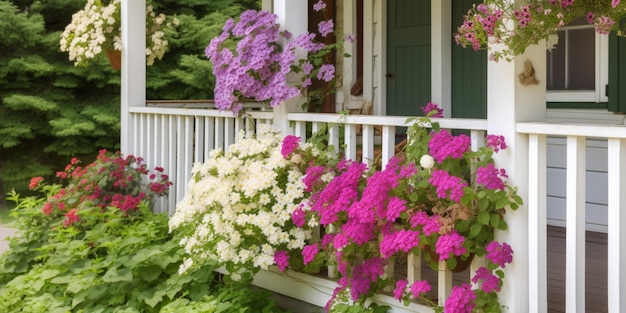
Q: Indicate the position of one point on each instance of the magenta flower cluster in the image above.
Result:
(444, 145)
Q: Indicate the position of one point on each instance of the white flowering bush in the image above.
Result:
(239, 205)
(97, 28)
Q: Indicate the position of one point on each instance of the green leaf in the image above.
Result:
(495, 219)
(156, 297)
(483, 218)
(475, 229)
(150, 273)
(483, 204)
(113, 275)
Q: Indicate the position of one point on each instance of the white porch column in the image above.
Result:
(133, 78)
(509, 102)
(441, 55)
(292, 16)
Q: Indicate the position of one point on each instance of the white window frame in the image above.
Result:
(601, 75)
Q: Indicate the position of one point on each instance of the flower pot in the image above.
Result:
(115, 58)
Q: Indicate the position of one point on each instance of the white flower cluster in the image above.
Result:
(238, 206)
(97, 28)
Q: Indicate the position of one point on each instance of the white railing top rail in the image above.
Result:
(581, 130)
(399, 121)
(185, 111)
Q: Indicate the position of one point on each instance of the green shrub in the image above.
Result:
(94, 245)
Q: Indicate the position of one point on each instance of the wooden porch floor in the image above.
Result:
(596, 272)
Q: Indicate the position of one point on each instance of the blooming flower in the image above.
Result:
(489, 282)
(398, 292)
(498, 253)
(430, 107)
(490, 177)
(444, 145)
(326, 72)
(427, 161)
(451, 242)
(290, 143)
(319, 5)
(461, 300)
(34, 182)
(309, 252)
(281, 258)
(71, 217)
(496, 142)
(420, 287)
(446, 183)
(325, 27)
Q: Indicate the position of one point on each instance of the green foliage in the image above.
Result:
(109, 257)
(51, 110)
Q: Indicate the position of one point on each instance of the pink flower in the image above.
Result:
(398, 292)
(451, 242)
(432, 107)
(461, 300)
(351, 38)
(298, 217)
(34, 182)
(496, 142)
(443, 145)
(489, 282)
(319, 5)
(615, 3)
(290, 144)
(490, 177)
(281, 258)
(309, 252)
(500, 254)
(402, 240)
(71, 217)
(444, 182)
(420, 287)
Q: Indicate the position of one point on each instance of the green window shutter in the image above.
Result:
(469, 72)
(617, 74)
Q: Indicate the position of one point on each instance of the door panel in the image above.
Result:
(469, 71)
(408, 56)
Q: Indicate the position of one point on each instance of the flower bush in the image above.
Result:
(258, 67)
(242, 206)
(97, 28)
(441, 200)
(518, 26)
(107, 256)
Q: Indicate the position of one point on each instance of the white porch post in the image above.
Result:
(509, 102)
(441, 52)
(292, 16)
(133, 78)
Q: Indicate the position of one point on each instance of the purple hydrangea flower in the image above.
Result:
(326, 72)
(325, 27)
(319, 5)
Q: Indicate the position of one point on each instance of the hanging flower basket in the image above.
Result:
(115, 58)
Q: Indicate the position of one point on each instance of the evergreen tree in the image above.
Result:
(51, 111)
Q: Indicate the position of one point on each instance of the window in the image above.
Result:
(578, 65)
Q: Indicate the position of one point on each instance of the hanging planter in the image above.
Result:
(115, 58)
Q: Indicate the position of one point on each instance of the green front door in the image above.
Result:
(408, 56)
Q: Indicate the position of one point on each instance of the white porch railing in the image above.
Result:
(176, 138)
(575, 224)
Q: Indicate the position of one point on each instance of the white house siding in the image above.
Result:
(596, 173)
